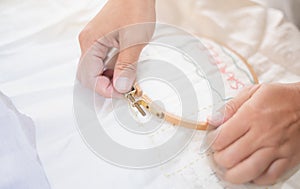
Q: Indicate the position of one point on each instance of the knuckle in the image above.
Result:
(83, 35)
(85, 38)
(217, 145)
(223, 160)
(230, 107)
(125, 65)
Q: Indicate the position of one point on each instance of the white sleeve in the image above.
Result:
(19, 162)
(290, 8)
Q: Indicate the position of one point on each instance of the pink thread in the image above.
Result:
(234, 82)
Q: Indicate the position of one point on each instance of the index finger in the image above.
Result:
(232, 130)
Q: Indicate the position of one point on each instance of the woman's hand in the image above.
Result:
(107, 30)
(259, 140)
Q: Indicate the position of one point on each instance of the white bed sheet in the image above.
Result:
(39, 54)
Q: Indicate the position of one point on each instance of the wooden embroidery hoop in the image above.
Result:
(138, 99)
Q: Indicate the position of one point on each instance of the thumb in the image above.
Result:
(125, 68)
(232, 106)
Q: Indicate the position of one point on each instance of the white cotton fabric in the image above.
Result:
(290, 8)
(39, 53)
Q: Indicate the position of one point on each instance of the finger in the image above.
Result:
(251, 167)
(92, 72)
(234, 127)
(99, 49)
(91, 63)
(131, 40)
(105, 88)
(225, 135)
(88, 70)
(231, 131)
(104, 85)
(236, 152)
(222, 115)
(273, 173)
(125, 68)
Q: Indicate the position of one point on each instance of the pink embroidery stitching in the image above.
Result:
(234, 82)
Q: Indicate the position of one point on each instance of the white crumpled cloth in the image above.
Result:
(19, 161)
(39, 52)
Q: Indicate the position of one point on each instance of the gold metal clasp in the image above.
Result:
(132, 96)
(138, 100)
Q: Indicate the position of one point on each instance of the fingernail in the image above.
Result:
(123, 84)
